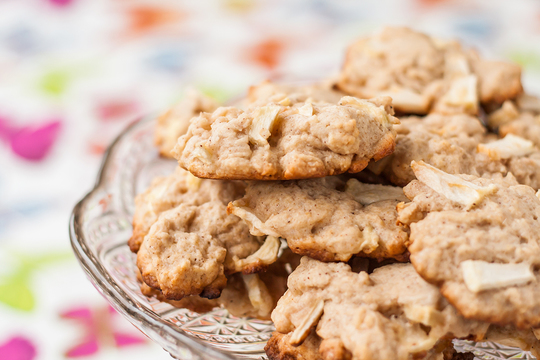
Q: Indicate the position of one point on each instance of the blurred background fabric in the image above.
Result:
(74, 73)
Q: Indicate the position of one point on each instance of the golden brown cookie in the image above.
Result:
(285, 140)
(178, 188)
(477, 240)
(423, 74)
(327, 219)
(175, 122)
(390, 314)
(445, 141)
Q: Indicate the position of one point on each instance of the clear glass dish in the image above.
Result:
(99, 229)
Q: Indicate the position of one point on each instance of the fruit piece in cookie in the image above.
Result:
(516, 154)
(390, 314)
(326, 219)
(477, 240)
(175, 122)
(178, 188)
(423, 74)
(190, 248)
(288, 141)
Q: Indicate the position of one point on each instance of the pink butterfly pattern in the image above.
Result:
(18, 348)
(30, 142)
(99, 331)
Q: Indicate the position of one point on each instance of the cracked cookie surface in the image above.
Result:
(283, 141)
(327, 219)
(477, 240)
(423, 74)
(390, 314)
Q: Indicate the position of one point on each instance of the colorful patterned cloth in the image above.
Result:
(74, 73)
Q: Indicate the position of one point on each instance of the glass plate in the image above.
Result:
(99, 229)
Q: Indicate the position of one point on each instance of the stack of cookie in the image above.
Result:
(379, 216)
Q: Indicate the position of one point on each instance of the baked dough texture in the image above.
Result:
(286, 140)
(329, 219)
(268, 91)
(521, 118)
(190, 248)
(423, 74)
(175, 122)
(447, 142)
(456, 145)
(462, 221)
(254, 295)
(390, 314)
(170, 191)
(280, 348)
(186, 243)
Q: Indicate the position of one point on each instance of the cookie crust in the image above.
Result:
(278, 142)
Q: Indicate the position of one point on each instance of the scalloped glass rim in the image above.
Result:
(112, 200)
(163, 332)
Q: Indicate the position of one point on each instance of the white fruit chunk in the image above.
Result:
(407, 100)
(367, 194)
(510, 145)
(266, 255)
(377, 112)
(285, 102)
(193, 182)
(262, 124)
(256, 226)
(306, 109)
(505, 114)
(463, 92)
(451, 186)
(426, 315)
(300, 333)
(258, 294)
(456, 65)
(371, 240)
(202, 154)
(480, 275)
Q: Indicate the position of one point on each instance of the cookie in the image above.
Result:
(175, 122)
(288, 141)
(521, 118)
(280, 348)
(327, 219)
(178, 188)
(192, 303)
(458, 144)
(267, 92)
(448, 142)
(511, 154)
(245, 295)
(190, 248)
(477, 240)
(384, 315)
(423, 74)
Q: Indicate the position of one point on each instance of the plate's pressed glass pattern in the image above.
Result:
(100, 227)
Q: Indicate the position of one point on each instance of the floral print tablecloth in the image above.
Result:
(74, 73)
